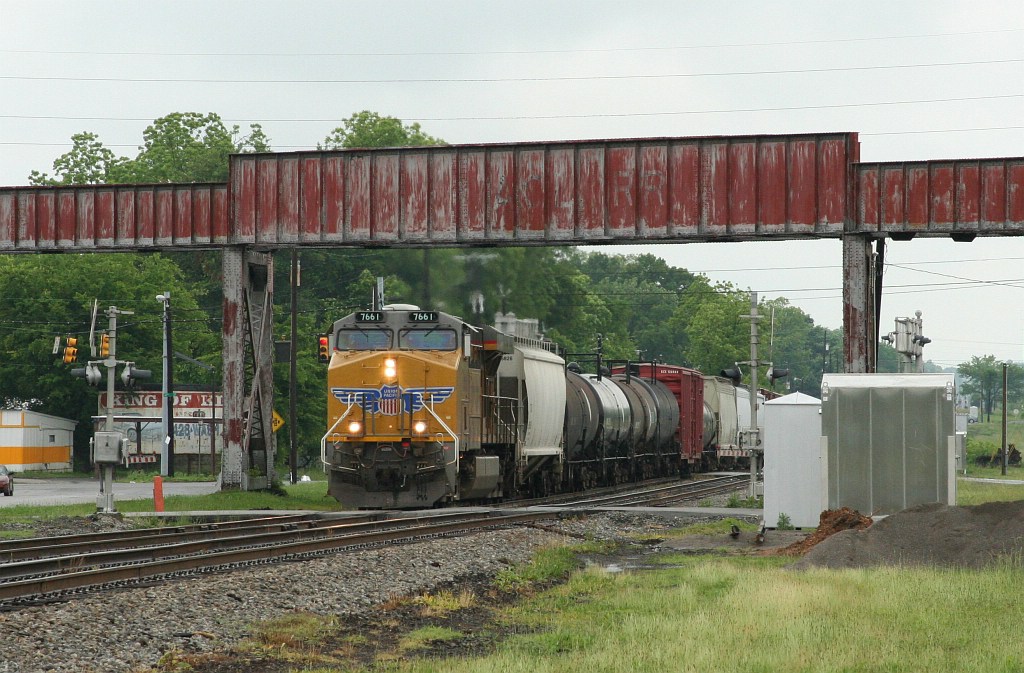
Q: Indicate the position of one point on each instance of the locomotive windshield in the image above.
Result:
(432, 339)
(363, 340)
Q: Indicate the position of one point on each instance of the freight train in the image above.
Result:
(425, 409)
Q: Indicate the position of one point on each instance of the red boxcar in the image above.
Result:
(687, 386)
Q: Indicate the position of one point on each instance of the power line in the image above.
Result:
(514, 52)
(484, 80)
(598, 115)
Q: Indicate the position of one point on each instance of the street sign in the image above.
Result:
(276, 422)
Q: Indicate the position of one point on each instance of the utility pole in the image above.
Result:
(1006, 366)
(752, 436)
(167, 450)
(293, 372)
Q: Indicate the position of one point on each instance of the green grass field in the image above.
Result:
(753, 615)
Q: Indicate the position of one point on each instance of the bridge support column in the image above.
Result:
(860, 337)
(248, 454)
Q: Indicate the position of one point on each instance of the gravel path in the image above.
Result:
(131, 629)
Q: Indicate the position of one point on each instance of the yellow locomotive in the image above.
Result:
(415, 415)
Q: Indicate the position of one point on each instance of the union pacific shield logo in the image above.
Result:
(389, 400)
(389, 403)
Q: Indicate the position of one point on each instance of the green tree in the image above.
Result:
(984, 381)
(715, 335)
(370, 129)
(87, 162)
(179, 147)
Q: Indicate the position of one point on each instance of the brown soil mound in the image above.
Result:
(829, 523)
(932, 535)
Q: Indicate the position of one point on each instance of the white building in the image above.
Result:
(30, 440)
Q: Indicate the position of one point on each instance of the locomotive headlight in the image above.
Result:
(354, 427)
(419, 427)
(390, 368)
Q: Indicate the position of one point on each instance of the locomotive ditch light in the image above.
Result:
(355, 427)
(419, 427)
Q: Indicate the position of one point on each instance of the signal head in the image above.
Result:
(733, 373)
(71, 350)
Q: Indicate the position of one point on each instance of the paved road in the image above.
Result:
(75, 491)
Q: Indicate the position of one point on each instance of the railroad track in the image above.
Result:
(60, 573)
(661, 495)
(56, 568)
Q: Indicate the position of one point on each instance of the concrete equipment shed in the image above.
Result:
(794, 478)
(30, 440)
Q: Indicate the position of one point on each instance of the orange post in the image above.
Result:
(158, 493)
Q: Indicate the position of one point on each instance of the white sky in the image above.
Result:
(648, 69)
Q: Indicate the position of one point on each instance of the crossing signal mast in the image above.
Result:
(909, 342)
(107, 444)
(750, 439)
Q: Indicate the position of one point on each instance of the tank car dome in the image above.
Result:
(574, 367)
(401, 307)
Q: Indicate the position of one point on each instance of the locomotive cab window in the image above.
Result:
(363, 340)
(432, 339)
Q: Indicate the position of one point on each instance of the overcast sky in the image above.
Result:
(917, 80)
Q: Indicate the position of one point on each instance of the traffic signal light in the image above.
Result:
(91, 373)
(733, 373)
(324, 354)
(131, 374)
(71, 351)
(776, 373)
(104, 346)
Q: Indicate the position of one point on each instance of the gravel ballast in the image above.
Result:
(130, 629)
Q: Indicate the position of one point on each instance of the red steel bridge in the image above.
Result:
(648, 190)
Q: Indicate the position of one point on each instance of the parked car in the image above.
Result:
(6, 480)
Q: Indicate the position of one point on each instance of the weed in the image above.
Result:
(443, 602)
(735, 501)
(295, 629)
(784, 523)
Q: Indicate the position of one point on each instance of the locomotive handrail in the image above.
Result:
(455, 438)
(323, 440)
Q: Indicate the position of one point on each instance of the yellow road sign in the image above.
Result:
(276, 422)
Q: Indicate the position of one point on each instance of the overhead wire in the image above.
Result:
(511, 52)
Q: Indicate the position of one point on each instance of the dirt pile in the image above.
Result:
(829, 523)
(934, 535)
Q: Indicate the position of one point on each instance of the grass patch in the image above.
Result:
(750, 614)
(295, 629)
(548, 564)
(975, 493)
(304, 495)
(427, 636)
(748, 502)
(719, 527)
